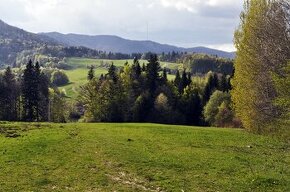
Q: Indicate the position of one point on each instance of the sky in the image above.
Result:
(185, 23)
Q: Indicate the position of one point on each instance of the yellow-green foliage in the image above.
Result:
(253, 89)
(282, 84)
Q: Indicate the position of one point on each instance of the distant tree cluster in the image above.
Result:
(173, 56)
(201, 64)
(29, 97)
(144, 94)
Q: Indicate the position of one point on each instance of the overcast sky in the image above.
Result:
(184, 23)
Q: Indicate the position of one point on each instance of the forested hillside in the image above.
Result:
(18, 46)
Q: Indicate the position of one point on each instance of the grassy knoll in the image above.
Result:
(78, 73)
(139, 157)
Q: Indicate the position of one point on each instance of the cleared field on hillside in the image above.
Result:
(139, 157)
(79, 71)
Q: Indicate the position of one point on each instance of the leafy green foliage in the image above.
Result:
(262, 42)
(219, 101)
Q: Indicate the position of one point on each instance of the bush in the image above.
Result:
(218, 104)
(59, 78)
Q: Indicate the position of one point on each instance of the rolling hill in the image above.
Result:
(14, 40)
(17, 43)
(111, 43)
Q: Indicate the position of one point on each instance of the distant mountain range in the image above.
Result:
(121, 45)
(15, 41)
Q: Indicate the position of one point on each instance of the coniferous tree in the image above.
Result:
(91, 73)
(112, 72)
(43, 101)
(152, 74)
(143, 67)
(164, 76)
(223, 84)
(210, 87)
(36, 90)
(189, 80)
(9, 96)
(34, 94)
(28, 93)
(191, 106)
(136, 69)
(177, 79)
(183, 82)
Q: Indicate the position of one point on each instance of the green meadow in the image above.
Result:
(78, 74)
(139, 157)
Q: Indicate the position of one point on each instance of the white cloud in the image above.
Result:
(195, 5)
(224, 47)
(179, 22)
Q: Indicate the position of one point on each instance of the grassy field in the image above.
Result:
(139, 157)
(79, 71)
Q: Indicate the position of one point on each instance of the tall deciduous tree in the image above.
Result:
(262, 43)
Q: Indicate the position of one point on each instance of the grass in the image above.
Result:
(139, 157)
(79, 71)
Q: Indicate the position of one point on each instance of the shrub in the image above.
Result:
(59, 78)
(212, 109)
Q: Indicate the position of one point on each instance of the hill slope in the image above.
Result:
(139, 157)
(14, 40)
(117, 44)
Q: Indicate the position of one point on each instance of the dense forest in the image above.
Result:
(133, 93)
(138, 94)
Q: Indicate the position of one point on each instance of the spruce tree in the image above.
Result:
(164, 76)
(183, 82)
(28, 93)
(10, 96)
(36, 90)
(136, 69)
(152, 74)
(177, 79)
(91, 73)
(112, 72)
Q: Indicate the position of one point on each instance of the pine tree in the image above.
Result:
(28, 93)
(183, 82)
(43, 101)
(152, 74)
(177, 79)
(91, 73)
(210, 87)
(136, 69)
(189, 80)
(164, 76)
(223, 84)
(112, 72)
(143, 67)
(10, 96)
(36, 90)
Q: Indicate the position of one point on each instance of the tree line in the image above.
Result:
(29, 96)
(145, 94)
